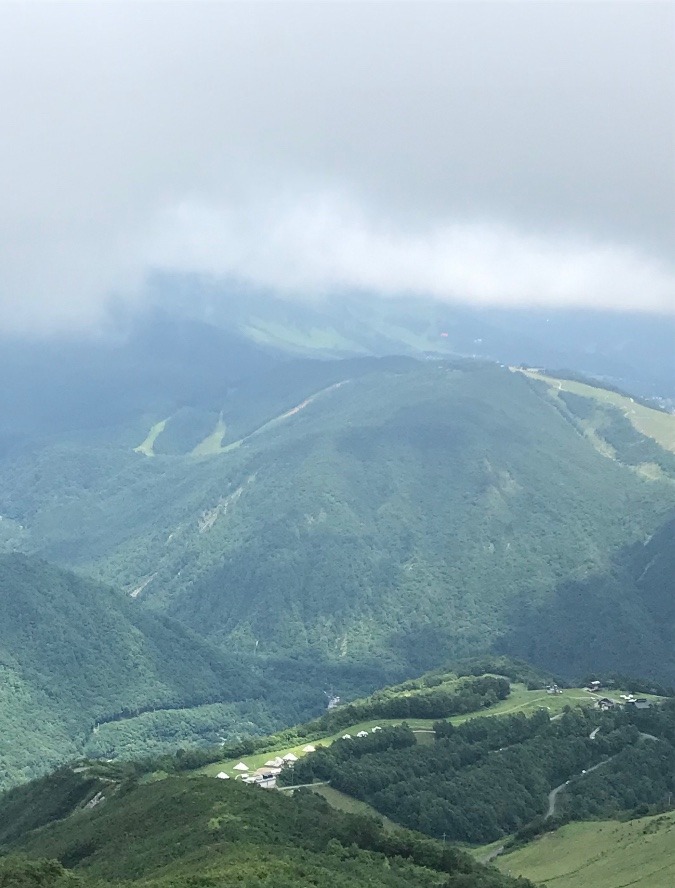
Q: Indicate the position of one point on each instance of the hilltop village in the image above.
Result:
(266, 775)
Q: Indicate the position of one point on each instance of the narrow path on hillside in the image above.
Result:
(553, 794)
(212, 444)
(292, 412)
(271, 423)
(303, 786)
(492, 855)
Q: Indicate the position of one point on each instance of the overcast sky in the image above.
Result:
(506, 153)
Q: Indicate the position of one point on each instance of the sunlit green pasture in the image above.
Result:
(602, 854)
(344, 802)
(654, 423)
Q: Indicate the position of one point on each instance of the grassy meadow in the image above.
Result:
(603, 854)
(654, 423)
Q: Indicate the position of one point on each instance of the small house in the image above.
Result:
(266, 782)
(605, 704)
(641, 703)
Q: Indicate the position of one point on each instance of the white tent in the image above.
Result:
(362, 734)
(278, 762)
(376, 728)
(223, 776)
(241, 767)
(309, 748)
(272, 763)
(346, 736)
(289, 757)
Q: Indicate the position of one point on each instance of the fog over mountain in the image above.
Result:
(337, 444)
(489, 154)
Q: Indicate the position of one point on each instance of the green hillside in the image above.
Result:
(416, 512)
(656, 424)
(162, 824)
(102, 824)
(74, 654)
(520, 701)
(607, 620)
(604, 854)
(197, 831)
(598, 763)
(412, 516)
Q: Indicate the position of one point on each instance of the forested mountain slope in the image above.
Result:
(200, 831)
(74, 653)
(158, 823)
(387, 512)
(61, 385)
(619, 619)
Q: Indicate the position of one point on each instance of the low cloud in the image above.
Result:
(323, 245)
(496, 153)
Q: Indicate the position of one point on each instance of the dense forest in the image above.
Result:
(86, 672)
(196, 831)
(101, 823)
(346, 524)
(507, 766)
(418, 512)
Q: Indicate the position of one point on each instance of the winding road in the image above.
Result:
(553, 794)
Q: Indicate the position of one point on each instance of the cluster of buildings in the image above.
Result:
(607, 703)
(266, 777)
(361, 733)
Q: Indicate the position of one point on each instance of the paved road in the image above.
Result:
(302, 786)
(553, 794)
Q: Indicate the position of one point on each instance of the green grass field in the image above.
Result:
(147, 447)
(519, 700)
(343, 802)
(603, 854)
(653, 423)
(212, 444)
